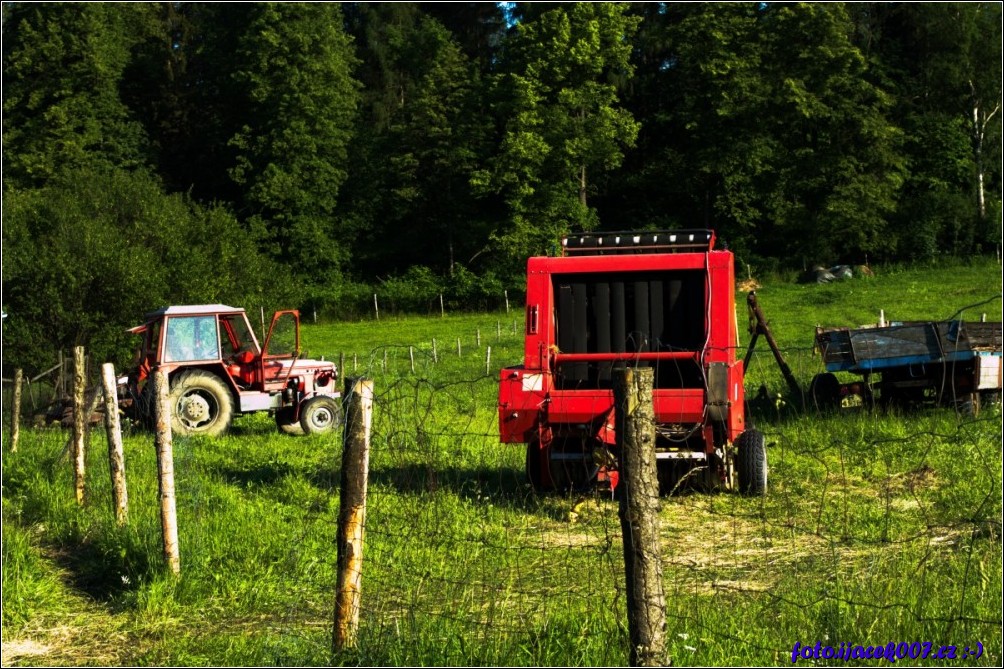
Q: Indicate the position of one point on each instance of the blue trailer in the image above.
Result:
(951, 362)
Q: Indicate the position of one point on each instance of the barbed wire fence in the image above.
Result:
(880, 525)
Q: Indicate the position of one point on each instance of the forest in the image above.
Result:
(310, 155)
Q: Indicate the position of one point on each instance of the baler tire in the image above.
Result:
(320, 415)
(212, 396)
(751, 463)
(539, 479)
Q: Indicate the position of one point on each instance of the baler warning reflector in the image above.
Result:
(533, 382)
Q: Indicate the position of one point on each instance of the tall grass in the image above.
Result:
(879, 525)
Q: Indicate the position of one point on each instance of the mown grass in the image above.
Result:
(879, 526)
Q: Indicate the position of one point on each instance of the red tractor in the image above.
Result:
(664, 300)
(217, 369)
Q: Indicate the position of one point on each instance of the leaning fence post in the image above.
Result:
(358, 410)
(165, 471)
(116, 457)
(79, 424)
(639, 515)
(15, 410)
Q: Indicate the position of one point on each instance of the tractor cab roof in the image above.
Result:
(194, 310)
(185, 310)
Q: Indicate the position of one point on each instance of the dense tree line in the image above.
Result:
(307, 154)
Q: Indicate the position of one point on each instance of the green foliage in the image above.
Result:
(354, 141)
(292, 155)
(419, 136)
(562, 121)
(63, 65)
(89, 254)
(877, 524)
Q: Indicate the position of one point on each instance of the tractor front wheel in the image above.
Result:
(201, 404)
(751, 463)
(319, 415)
(285, 420)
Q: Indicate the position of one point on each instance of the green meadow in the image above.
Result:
(879, 525)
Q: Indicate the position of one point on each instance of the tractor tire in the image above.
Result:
(201, 404)
(751, 463)
(320, 415)
(285, 421)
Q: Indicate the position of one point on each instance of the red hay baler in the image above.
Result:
(664, 300)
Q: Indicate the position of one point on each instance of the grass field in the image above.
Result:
(879, 526)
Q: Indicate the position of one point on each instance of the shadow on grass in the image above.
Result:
(258, 476)
(504, 487)
(107, 568)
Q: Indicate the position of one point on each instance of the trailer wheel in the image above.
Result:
(319, 415)
(201, 404)
(825, 391)
(751, 463)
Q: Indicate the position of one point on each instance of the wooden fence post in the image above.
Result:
(116, 456)
(79, 449)
(488, 361)
(15, 410)
(358, 411)
(376, 306)
(435, 355)
(639, 515)
(411, 357)
(165, 472)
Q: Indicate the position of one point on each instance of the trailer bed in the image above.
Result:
(869, 349)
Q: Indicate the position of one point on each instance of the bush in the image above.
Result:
(88, 255)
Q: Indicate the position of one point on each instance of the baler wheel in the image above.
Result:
(538, 469)
(751, 463)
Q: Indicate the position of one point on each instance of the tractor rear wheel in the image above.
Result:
(320, 415)
(751, 463)
(201, 404)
